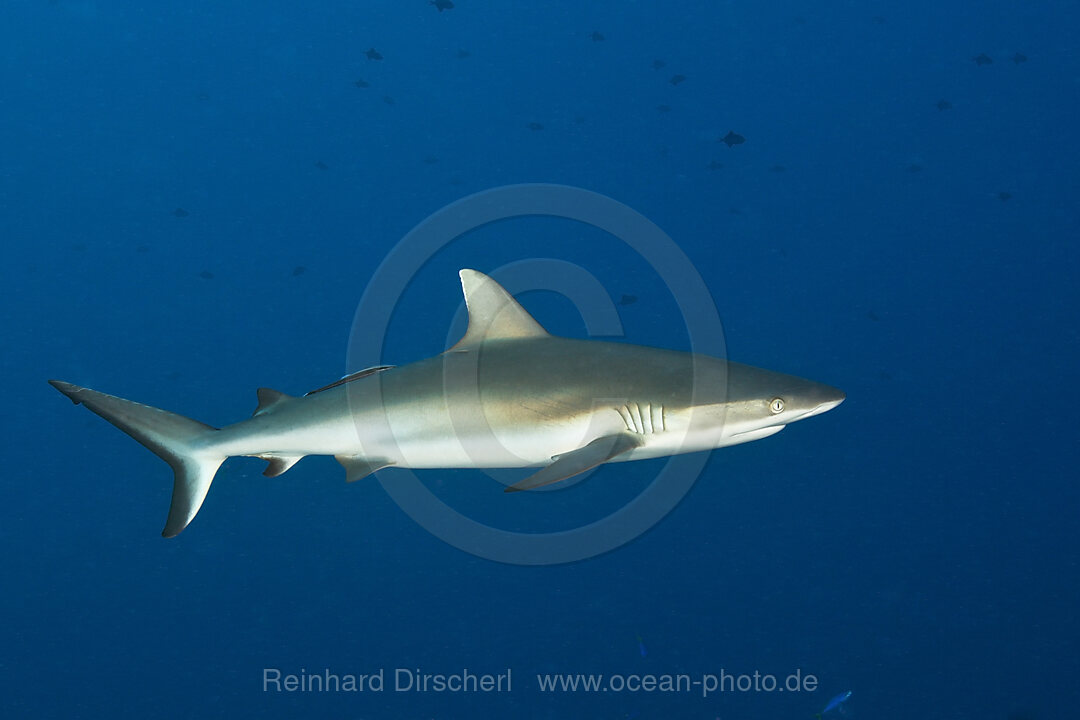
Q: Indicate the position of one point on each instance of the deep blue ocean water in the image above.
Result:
(193, 200)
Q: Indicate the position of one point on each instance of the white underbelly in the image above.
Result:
(485, 447)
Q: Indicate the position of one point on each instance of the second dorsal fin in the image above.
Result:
(269, 399)
(494, 314)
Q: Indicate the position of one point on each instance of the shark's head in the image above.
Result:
(762, 402)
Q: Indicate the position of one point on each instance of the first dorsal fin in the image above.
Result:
(493, 312)
(269, 399)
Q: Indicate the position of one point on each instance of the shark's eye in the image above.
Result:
(776, 406)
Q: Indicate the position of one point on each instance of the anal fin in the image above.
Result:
(567, 465)
(358, 466)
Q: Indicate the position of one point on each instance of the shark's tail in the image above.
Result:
(185, 444)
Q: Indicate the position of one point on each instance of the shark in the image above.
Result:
(508, 394)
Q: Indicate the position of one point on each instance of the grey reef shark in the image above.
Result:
(508, 394)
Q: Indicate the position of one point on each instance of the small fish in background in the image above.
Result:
(373, 54)
(715, 165)
(914, 168)
(835, 703)
(534, 126)
(663, 109)
(778, 169)
(362, 84)
(658, 64)
(983, 59)
(943, 105)
(1004, 196)
(321, 165)
(463, 54)
(597, 36)
(298, 270)
(180, 212)
(628, 300)
(677, 79)
(441, 5)
(732, 139)
(431, 160)
(1018, 58)
(388, 100)
(206, 275)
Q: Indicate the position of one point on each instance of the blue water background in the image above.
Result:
(917, 545)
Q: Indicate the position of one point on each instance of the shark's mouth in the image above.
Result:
(759, 433)
(822, 408)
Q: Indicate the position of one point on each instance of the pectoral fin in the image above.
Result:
(577, 461)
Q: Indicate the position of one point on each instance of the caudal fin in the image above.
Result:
(183, 443)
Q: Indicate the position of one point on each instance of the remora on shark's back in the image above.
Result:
(507, 395)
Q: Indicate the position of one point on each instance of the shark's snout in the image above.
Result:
(826, 399)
